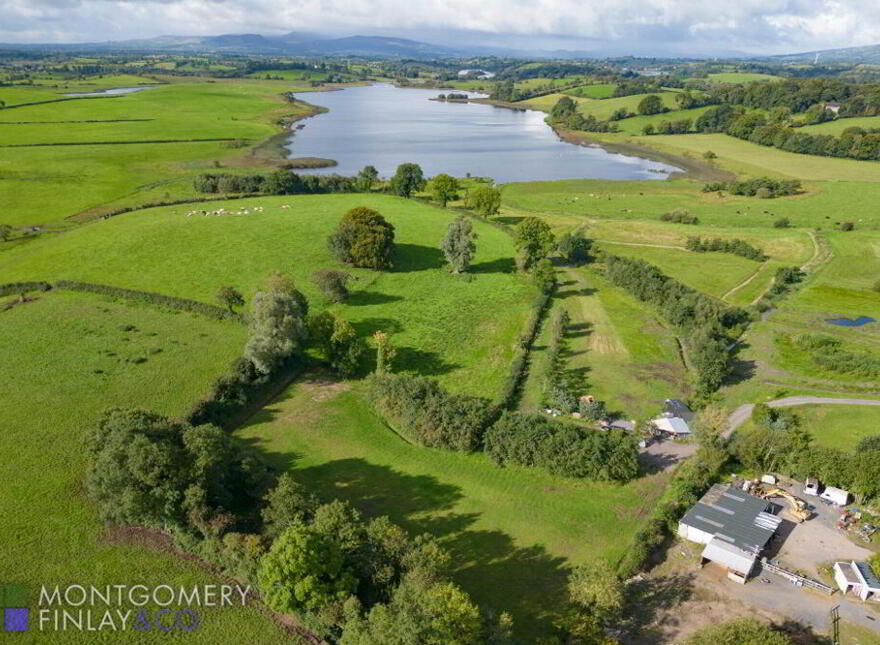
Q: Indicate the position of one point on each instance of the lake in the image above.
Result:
(384, 126)
(114, 91)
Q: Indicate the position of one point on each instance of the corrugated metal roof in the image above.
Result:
(868, 574)
(675, 425)
(729, 555)
(734, 517)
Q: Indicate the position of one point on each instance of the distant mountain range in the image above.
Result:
(310, 44)
(292, 44)
(868, 55)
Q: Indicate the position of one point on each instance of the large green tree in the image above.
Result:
(407, 180)
(338, 342)
(484, 201)
(363, 239)
(277, 324)
(444, 188)
(459, 244)
(651, 104)
(366, 178)
(533, 240)
(304, 571)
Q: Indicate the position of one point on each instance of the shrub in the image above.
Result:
(847, 226)
(338, 342)
(680, 216)
(717, 244)
(332, 283)
(429, 414)
(363, 239)
(17, 288)
(782, 222)
(562, 448)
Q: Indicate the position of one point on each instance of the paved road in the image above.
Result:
(743, 412)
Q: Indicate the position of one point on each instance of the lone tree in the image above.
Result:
(484, 201)
(533, 240)
(363, 239)
(277, 324)
(332, 283)
(366, 178)
(385, 352)
(458, 245)
(651, 104)
(445, 188)
(407, 180)
(230, 298)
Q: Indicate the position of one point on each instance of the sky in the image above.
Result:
(613, 26)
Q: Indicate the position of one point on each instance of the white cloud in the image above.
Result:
(748, 25)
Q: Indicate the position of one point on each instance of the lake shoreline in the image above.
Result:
(688, 168)
(547, 157)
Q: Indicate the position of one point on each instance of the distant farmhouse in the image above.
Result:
(734, 526)
(675, 420)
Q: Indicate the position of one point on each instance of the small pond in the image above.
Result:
(850, 322)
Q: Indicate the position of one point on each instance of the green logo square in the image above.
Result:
(13, 596)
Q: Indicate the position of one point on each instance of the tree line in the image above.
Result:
(762, 187)
(707, 324)
(735, 246)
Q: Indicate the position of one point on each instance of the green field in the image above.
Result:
(741, 77)
(131, 172)
(72, 357)
(823, 206)
(594, 91)
(440, 321)
(837, 126)
(624, 355)
(752, 159)
(634, 125)
(602, 109)
(513, 532)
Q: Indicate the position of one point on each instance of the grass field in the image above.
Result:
(823, 206)
(93, 176)
(72, 357)
(741, 77)
(616, 344)
(512, 532)
(839, 125)
(445, 326)
(750, 158)
(594, 91)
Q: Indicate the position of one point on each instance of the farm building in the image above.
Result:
(674, 426)
(676, 408)
(857, 577)
(734, 526)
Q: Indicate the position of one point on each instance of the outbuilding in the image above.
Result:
(811, 487)
(674, 426)
(734, 526)
(858, 578)
(835, 495)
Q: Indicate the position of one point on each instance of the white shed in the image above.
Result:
(835, 495)
(857, 577)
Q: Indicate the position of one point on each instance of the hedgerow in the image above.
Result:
(149, 297)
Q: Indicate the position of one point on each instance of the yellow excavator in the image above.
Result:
(798, 506)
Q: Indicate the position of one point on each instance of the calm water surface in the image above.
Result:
(384, 126)
(111, 92)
